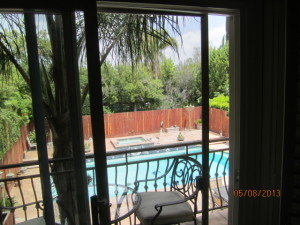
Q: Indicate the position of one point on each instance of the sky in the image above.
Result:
(190, 30)
(191, 36)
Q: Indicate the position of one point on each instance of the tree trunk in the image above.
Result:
(58, 116)
(64, 179)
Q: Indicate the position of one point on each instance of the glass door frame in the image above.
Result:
(95, 92)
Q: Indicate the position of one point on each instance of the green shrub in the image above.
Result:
(5, 201)
(220, 102)
(32, 137)
(198, 121)
(180, 136)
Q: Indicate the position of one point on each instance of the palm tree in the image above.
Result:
(156, 54)
(126, 37)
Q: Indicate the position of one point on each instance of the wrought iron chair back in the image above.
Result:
(185, 177)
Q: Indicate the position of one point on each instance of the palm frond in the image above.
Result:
(12, 45)
(142, 35)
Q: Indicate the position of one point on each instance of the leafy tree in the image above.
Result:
(15, 105)
(109, 87)
(219, 70)
(167, 69)
(124, 36)
(125, 89)
(184, 79)
(182, 86)
(157, 56)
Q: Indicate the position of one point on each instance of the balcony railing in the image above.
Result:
(124, 167)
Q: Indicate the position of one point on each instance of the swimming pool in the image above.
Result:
(137, 168)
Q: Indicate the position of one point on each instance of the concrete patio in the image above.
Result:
(159, 138)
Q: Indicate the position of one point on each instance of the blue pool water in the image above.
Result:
(126, 175)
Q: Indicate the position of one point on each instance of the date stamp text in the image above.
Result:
(255, 193)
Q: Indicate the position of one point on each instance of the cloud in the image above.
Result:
(192, 40)
(216, 35)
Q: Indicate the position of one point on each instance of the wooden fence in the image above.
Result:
(17, 151)
(129, 123)
(142, 122)
(219, 122)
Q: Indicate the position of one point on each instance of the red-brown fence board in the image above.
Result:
(218, 121)
(86, 121)
(225, 128)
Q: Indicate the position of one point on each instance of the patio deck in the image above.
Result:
(158, 139)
